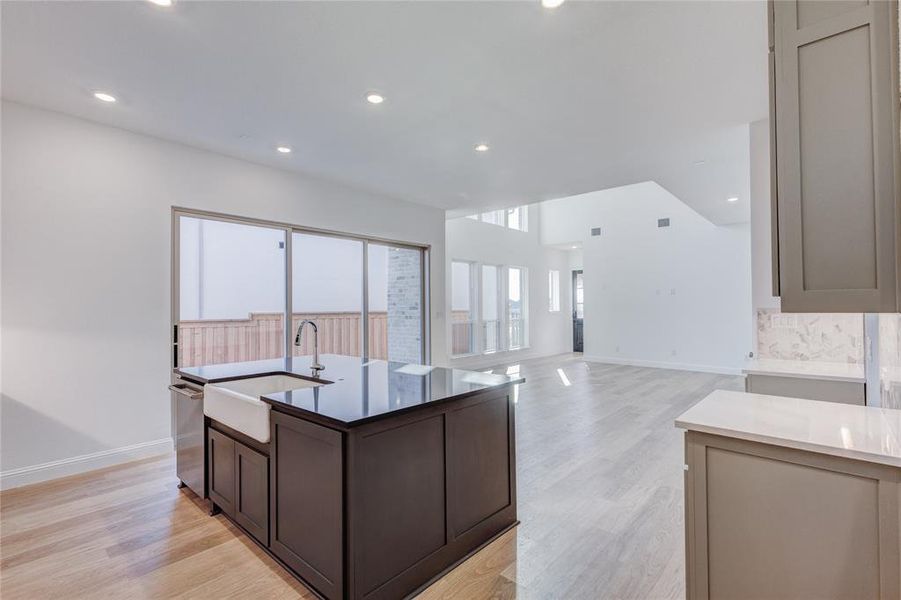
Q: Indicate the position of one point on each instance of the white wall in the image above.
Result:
(474, 241)
(86, 225)
(677, 297)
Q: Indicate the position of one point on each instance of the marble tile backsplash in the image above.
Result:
(821, 337)
(890, 359)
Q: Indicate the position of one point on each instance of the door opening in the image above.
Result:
(578, 312)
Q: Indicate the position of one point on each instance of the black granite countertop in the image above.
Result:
(356, 392)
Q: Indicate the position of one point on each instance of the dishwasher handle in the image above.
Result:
(185, 390)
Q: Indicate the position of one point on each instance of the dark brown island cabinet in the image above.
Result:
(375, 483)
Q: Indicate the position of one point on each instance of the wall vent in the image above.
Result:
(663, 222)
(595, 231)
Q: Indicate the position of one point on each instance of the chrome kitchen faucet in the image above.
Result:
(315, 366)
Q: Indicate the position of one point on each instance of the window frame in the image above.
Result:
(500, 286)
(474, 309)
(503, 215)
(553, 283)
(477, 287)
(524, 300)
(500, 213)
(289, 229)
(523, 211)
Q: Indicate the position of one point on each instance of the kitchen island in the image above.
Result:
(374, 483)
(790, 498)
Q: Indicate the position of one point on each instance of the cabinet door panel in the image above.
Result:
(764, 521)
(813, 11)
(221, 470)
(307, 501)
(837, 154)
(838, 200)
(401, 500)
(252, 492)
(479, 463)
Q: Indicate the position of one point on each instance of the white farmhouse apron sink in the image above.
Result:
(237, 403)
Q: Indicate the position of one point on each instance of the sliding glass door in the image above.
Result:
(395, 303)
(231, 292)
(236, 279)
(327, 288)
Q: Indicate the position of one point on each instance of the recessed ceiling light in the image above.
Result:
(374, 98)
(104, 97)
(161, 2)
(732, 199)
(481, 147)
(284, 149)
(551, 3)
(574, 247)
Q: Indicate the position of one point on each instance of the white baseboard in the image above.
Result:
(496, 359)
(663, 365)
(14, 478)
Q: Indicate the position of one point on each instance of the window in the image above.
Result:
(516, 314)
(462, 309)
(491, 323)
(494, 217)
(231, 292)
(489, 308)
(233, 287)
(327, 289)
(579, 300)
(553, 290)
(511, 218)
(517, 218)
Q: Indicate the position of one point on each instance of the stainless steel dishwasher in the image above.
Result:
(187, 399)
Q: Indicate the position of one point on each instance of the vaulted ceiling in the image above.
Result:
(584, 97)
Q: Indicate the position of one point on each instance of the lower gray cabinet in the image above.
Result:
(825, 390)
(239, 483)
(770, 522)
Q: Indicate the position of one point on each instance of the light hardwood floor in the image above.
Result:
(599, 491)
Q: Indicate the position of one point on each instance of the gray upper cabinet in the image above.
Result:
(837, 206)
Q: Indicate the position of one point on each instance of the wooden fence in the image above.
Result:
(262, 336)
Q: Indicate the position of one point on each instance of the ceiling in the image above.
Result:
(584, 97)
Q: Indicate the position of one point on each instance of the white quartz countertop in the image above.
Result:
(806, 369)
(860, 432)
